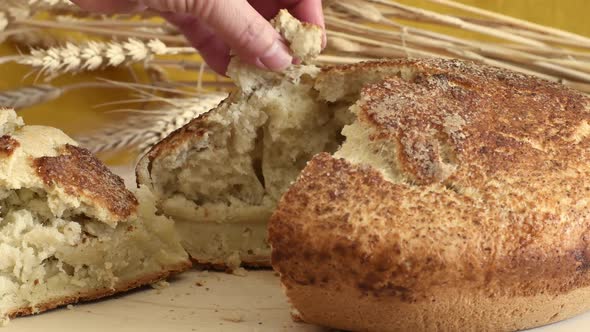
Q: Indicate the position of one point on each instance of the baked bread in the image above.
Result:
(459, 201)
(69, 230)
(436, 195)
(219, 177)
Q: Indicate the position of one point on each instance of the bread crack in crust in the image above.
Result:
(69, 229)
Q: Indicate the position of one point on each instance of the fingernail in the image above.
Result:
(277, 57)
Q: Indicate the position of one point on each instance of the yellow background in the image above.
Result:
(76, 113)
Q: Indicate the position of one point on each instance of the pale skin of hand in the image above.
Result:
(214, 27)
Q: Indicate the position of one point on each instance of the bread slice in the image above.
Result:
(69, 230)
(219, 177)
(458, 202)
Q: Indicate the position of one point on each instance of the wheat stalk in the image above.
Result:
(144, 128)
(528, 51)
(11, 12)
(51, 3)
(93, 55)
(31, 37)
(33, 95)
(29, 96)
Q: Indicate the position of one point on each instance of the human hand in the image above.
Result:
(215, 26)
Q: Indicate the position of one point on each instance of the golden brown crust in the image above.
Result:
(185, 137)
(102, 293)
(79, 173)
(8, 145)
(445, 310)
(399, 240)
(491, 194)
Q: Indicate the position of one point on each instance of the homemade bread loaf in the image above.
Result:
(69, 230)
(436, 195)
(219, 177)
(459, 201)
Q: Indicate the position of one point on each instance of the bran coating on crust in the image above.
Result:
(82, 174)
(488, 194)
(8, 145)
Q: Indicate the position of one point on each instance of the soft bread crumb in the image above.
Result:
(160, 284)
(296, 315)
(9, 121)
(240, 272)
(235, 317)
(305, 40)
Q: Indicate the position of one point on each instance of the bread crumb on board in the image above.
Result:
(240, 272)
(234, 318)
(70, 307)
(160, 284)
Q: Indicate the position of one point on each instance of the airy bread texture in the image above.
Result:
(69, 230)
(458, 202)
(220, 176)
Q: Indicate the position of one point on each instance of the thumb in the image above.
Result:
(238, 24)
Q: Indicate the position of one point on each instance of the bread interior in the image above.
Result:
(222, 190)
(46, 259)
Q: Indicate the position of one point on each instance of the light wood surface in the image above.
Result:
(224, 302)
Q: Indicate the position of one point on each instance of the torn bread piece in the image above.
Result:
(304, 39)
(220, 176)
(69, 230)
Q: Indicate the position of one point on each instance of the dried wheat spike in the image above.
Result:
(29, 96)
(51, 3)
(141, 131)
(93, 55)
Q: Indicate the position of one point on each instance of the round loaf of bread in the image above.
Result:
(459, 201)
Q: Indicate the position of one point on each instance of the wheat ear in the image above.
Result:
(74, 58)
(33, 95)
(12, 12)
(53, 5)
(144, 128)
(29, 96)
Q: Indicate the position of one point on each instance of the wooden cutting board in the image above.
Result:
(199, 301)
(193, 301)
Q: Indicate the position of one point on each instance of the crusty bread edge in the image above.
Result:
(102, 293)
(223, 267)
(347, 309)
